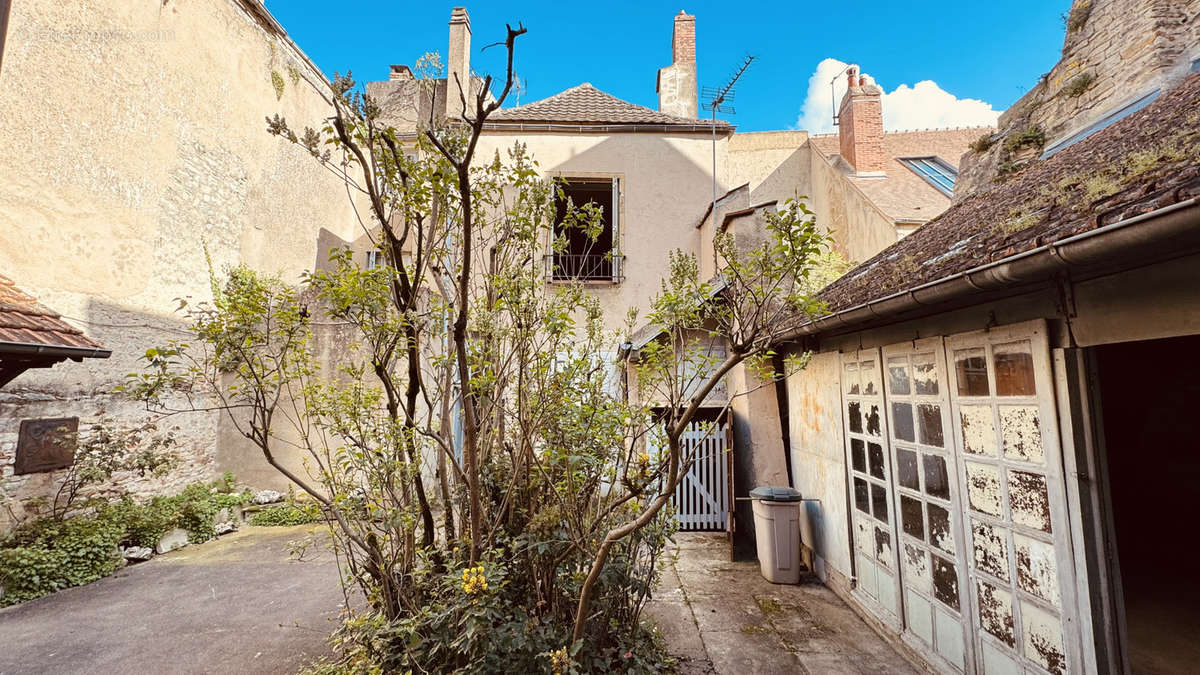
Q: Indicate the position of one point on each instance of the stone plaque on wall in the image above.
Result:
(46, 444)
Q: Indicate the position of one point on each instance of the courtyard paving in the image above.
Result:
(239, 604)
(724, 618)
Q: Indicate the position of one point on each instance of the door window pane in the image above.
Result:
(883, 546)
(911, 517)
(937, 480)
(1021, 433)
(862, 498)
(898, 376)
(971, 367)
(875, 453)
(873, 428)
(879, 502)
(866, 371)
(983, 488)
(1014, 369)
(940, 534)
(991, 549)
(1037, 569)
(902, 417)
(1030, 502)
(996, 613)
(916, 567)
(906, 469)
(854, 410)
(925, 375)
(850, 378)
(979, 430)
(858, 454)
(930, 416)
(945, 582)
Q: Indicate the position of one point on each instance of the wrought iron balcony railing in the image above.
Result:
(584, 267)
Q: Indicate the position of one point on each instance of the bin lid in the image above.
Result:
(775, 493)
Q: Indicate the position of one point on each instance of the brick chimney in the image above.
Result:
(860, 125)
(458, 61)
(677, 90)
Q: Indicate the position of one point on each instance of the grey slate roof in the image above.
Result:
(585, 104)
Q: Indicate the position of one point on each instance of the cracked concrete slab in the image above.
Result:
(722, 618)
(238, 604)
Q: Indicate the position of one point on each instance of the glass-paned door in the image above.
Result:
(1018, 547)
(870, 471)
(932, 572)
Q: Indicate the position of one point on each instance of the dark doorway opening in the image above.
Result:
(1150, 398)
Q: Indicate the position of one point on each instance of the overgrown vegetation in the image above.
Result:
(983, 143)
(1031, 137)
(1079, 84)
(529, 540)
(289, 513)
(55, 552)
(1077, 17)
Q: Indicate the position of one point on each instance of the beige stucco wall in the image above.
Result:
(666, 185)
(860, 230)
(775, 164)
(818, 462)
(134, 136)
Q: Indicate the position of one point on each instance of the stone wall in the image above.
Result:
(135, 140)
(1114, 52)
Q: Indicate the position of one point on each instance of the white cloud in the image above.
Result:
(923, 105)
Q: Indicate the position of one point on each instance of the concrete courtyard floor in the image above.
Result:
(724, 618)
(239, 604)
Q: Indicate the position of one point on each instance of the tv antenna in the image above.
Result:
(717, 100)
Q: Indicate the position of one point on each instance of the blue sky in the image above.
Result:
(990, 52)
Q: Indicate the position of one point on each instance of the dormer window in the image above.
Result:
(583, 257)
(935, 171)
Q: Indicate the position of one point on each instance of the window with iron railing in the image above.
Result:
(579, 254)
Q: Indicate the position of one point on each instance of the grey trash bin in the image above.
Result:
(777, 533)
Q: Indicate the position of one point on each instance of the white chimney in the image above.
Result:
(458, 61)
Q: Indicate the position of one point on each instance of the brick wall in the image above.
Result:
(683, 39)
(860, 126)
(1114, 51)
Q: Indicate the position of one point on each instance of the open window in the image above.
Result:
(583, 257)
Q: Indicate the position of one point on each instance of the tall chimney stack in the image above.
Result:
(458, 61)
(860, 125)
(677, 89)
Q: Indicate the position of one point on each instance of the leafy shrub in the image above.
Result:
(983, 143)
(1032, 136)
(48, 555)
(289, 513)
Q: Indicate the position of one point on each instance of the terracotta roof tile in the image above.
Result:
(23, 319)
(585, 104)
(1148, 160)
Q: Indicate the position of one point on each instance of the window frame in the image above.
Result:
(618, 231)
(915, 165)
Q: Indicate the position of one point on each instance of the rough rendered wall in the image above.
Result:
(859, 229)
(818, 462)
(1126, 48)
(774, 163)
(133, 137)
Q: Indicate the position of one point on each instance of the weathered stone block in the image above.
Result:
(175, 539)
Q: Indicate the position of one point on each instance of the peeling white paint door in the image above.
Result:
(870, 473)
(931, 549)
(1020, 574)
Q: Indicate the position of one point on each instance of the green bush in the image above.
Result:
(48, 555)
(289, 513)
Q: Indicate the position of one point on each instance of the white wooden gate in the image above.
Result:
(702, 497)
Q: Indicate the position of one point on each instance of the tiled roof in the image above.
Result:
(1147, 161)
(585, 104)
(24, 320)
(901, 194)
